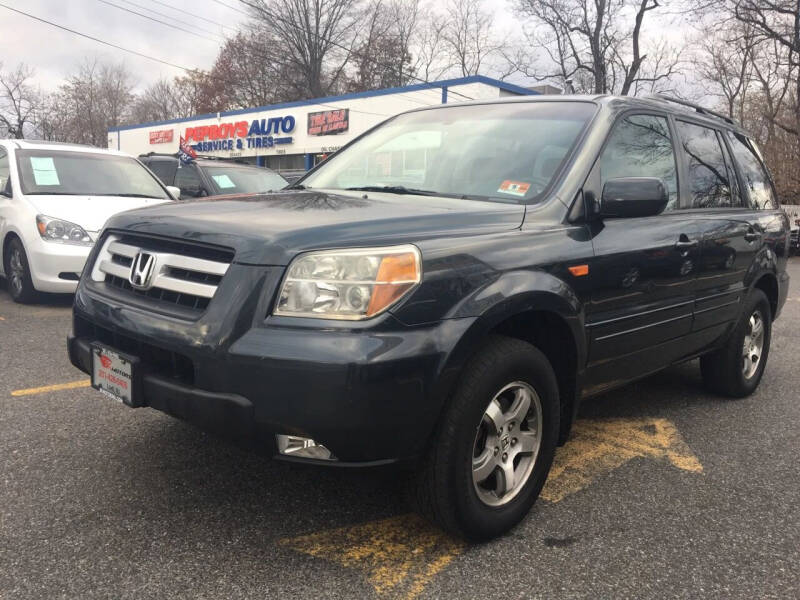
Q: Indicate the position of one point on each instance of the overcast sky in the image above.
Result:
(55, 53)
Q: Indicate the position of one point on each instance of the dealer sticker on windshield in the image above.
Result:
(515, 188)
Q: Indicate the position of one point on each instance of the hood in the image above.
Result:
(90, 212)
(270, 229)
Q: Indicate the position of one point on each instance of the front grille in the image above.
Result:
(182, 274)
(155, 360)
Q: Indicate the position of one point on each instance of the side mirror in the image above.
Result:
(175, 192)
(633, 197)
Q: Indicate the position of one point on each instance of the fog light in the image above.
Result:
(292, 445)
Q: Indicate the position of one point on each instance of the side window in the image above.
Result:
(164, 169)
(188, 180)
(640, 146)
(754, 176)
(4, 169)
(709, 180)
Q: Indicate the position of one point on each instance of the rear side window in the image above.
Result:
(189, 182)
(754, 175)
(164, 170)
(641, 146)
(709, 177)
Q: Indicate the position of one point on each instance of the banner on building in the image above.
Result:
(328, 122)
(162, 136)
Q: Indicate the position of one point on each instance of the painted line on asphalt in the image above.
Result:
(52, 388)
(597, 447)
(399, 556)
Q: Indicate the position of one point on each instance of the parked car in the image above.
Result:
(795, 238)
(444, 291)
(54, 199)
(212, 176)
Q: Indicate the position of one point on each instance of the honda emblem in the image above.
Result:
(142, 269)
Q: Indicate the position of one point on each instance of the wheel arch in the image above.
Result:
(545, 313)
(768, 283)
(9, 236)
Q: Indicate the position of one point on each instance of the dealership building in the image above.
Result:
(296, 135)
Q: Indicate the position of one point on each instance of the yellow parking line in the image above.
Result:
(52, 388)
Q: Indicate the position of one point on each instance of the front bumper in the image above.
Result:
(370, 395)
(55, 268)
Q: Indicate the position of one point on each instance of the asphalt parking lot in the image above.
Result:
(663, 491)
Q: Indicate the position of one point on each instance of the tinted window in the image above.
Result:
(640, 146)
(188, 180)
(508, 152)
(754, 175)
(58, 172)
(3, 169)
(164, 169)
(709, 180)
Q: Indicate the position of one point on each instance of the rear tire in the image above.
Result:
(492, 450)
(18, 273)
(735, 370)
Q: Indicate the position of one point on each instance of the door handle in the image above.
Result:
(751, 236)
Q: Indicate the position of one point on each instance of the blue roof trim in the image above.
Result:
(509, 87)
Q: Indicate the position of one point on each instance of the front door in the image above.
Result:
(643, 271)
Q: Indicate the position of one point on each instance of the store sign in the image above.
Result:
(241, 135)
(328, 122)
(162, 136)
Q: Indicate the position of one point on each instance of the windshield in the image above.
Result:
(229, 179)
(508, 152)
(85, 174)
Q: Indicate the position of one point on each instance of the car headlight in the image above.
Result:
(348, 284)
(56, 230)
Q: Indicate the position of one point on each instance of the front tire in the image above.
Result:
(18, 273)
(492, 450)
(735, 370)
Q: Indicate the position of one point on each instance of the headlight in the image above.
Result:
(348, 284)
(56, 230)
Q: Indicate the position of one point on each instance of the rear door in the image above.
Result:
(644, 268)
(731, 235)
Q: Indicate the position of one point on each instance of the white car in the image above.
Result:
(54, 200)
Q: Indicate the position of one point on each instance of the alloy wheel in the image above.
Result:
(753, 345)
(16, 273)
(507, 444)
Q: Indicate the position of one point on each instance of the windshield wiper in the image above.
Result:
(394, 189)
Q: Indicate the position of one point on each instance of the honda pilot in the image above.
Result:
(446, 289)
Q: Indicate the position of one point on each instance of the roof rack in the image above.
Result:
(697, 107)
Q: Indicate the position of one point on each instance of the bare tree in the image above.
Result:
(316, 38)
(755, 67)
(469, 35)
(20, 101)
(95, 98)
(595, 44)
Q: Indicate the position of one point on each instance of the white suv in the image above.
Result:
(54, 199)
